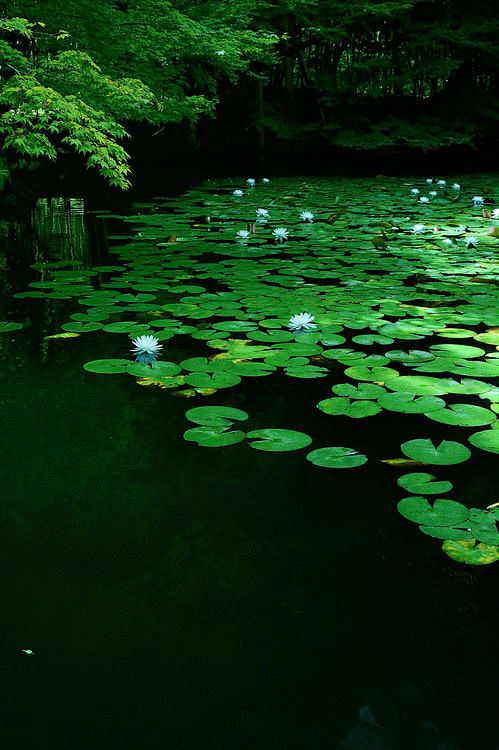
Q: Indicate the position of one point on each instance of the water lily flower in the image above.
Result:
(262, 213)
(251, 182)
(495, 213)
(280, 234)
(242, 234)
(424, 199)
(265, 180)
(429, 180)
(471, 241)
(447, 241)
(238, 192)
(418, 228)
(461, 228)
(303, 320)
(441, 182)
(221, 52)
(415, 191)
(147, 344)
(477, 200)
(307, 216)
(433, 192)
(456, 186)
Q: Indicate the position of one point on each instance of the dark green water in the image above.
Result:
(180, 597)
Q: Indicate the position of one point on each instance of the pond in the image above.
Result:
(259, 533)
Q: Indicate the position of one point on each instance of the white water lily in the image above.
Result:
(238, 192)
(307, 216)
(441, 182)
(302, 320)
(242, 234)
(424, 199)
(280, 234)
(477, 200)
(471, 241)
(265, 179)
(447, 241)
(456, 186)
(461, 228)
(221, 52)
(415, 191)
(495, 213)
(418, 228)
(429, 180)
(262, 213)
(433, 192)
(146, 344)
(251, 182)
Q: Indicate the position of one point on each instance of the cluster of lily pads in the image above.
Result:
(405, 311)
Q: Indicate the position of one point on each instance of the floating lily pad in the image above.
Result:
(277, 440)
(408, 403)
(108, 366)
(7, 327)
(373, 374)
(360, 392)
(215, 416)
(421, 483)
(466, 415)
(213, 437)
(337, 457)
(471, 552)
(155, 370)
(443, 513)
(445, 454)
(487, 440)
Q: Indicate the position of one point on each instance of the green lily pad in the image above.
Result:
(408, 403)
(373, 374)
(443, 513)
(155, 370)
(419, 385)
(360, 392)
(6, 326)
(215, 416)
(445, 454)
(446, 532)
(213, 437)
(471, 552)
(337, 457)
(215, 380)
(421, 483)
(108, 366)
(278, 440)
(487, 440)
(465, 415)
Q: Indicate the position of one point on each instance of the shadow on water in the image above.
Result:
(183, 597)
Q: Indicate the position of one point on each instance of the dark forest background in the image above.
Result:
(143, 91)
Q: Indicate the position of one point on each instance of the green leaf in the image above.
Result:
(277, 440)
(443, 513)
(108, 366)
(446, 454)
(421, 483)
(337, 457)
(215, 416)
(487, 440)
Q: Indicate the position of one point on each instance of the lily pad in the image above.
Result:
(108, 366)
(421, 483)
(471, 552)
(337, 457)
(278, 440)
(443, 513)
(446, 453)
